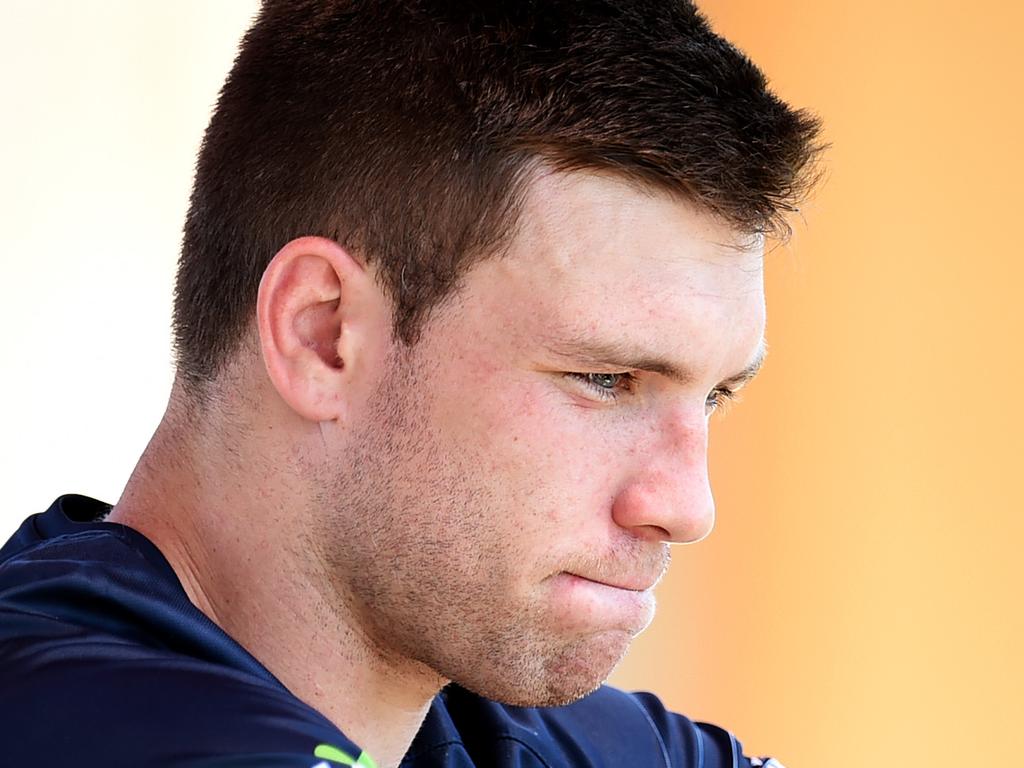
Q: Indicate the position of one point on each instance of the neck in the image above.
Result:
(234, 537)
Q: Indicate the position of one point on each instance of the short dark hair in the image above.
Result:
(406, 131)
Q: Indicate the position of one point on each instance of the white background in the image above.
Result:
(103, 108)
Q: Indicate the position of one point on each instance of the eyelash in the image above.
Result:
(716, 399)
(604, 393)
(720, 397)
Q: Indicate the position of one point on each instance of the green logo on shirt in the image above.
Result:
(335, 755)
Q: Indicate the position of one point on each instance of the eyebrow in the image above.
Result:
(626, 358)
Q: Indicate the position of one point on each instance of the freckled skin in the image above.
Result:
(481, 474)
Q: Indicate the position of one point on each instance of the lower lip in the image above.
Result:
(594, 604)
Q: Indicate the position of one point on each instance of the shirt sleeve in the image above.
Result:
(688, 744)
(92, 701)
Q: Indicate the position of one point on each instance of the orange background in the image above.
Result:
(859, 603)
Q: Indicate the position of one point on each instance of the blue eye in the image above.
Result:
(607, 386)
(604, 380)
(717, 398)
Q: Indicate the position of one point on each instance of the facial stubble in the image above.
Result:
(415, 555)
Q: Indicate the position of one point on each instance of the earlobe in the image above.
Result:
(310, 300)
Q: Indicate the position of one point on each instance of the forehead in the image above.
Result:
(585, 228)
(596, 255)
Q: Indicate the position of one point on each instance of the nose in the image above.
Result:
(669, 498)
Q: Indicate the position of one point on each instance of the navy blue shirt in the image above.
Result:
(104, 661)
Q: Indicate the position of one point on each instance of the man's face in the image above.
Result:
(505, 501)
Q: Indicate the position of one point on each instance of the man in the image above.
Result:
(460, 287)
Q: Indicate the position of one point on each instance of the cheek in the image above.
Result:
(568, 459)
(530, 429)
(543, 455)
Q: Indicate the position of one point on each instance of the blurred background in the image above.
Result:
(859, 602)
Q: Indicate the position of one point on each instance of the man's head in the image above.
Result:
(408, 132)
(500, 263)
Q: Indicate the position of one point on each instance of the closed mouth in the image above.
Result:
(630, 585)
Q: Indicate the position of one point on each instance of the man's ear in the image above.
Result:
(320, 317)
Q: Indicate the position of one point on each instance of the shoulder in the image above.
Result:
(609, 727)
(638, 729)
(75, 693)
(105, 662)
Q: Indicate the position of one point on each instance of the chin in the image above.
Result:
(554, 679)
(583, 668)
